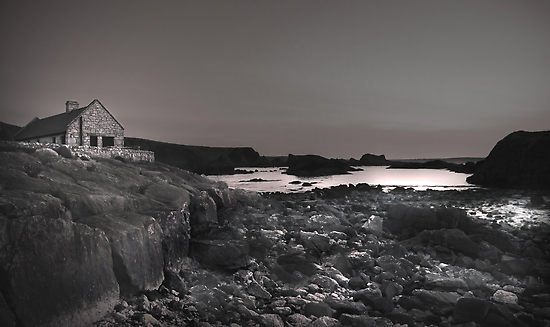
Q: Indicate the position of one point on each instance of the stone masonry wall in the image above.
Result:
(96, 120)
(113, 152)
(91, 151)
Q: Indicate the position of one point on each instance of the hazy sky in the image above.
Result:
(338, 78)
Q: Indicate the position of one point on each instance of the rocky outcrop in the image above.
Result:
(136, 250)
(227, 255)
(75, 235)
(369, 159)
(451, 228)
(520, 160)
(407, 221)
(313, 165)
(57, 272)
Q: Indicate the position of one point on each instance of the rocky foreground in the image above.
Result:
(77, 234)
(356, 256)
(111, 243)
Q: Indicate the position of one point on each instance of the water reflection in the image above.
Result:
(273, 179)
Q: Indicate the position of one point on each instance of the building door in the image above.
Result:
(93, 140)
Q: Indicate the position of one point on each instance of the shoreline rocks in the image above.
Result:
(427, 265)
(350, 255)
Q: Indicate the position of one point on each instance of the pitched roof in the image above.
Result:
(56, 124)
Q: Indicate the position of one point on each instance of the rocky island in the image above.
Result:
(314, 165)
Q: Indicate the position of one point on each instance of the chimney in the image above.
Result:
(70, 105)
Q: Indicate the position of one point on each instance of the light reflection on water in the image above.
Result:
(275, 181)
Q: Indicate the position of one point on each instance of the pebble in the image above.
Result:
(502, 296)
(142, 303)
(271, 320)
(298, 320)
(325, 322)
(258, 291)
(325, 282)
(318, 309)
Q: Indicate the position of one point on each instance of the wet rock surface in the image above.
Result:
(311, 263)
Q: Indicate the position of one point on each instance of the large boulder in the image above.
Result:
(452, 239)
(64, 151)
(59, 273)
(46, 155)
(438, 302)
(136, 250)
(520, 160)
(408, 221)
(483, 312)
(316, 242)
(226, 255)
(294, 266)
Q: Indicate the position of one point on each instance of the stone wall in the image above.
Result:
(113, 152)
(91, 151)
(96, 120)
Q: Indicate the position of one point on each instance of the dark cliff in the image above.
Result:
(520, 160)
(198, 159)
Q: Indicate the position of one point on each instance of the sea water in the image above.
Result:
(275, 180)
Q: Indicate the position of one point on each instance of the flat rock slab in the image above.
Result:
(136, 243)
(53, 262)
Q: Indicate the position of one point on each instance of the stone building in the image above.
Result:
(92, 125)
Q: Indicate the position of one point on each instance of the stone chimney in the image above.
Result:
(70, 105)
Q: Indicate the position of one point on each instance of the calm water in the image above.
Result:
(274, 180)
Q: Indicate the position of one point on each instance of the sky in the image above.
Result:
(409, 79)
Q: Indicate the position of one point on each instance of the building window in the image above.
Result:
(53, 140)
(93, 140)
(108, 141)
(63, 139)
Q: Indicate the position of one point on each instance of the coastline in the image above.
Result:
(326, 258)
